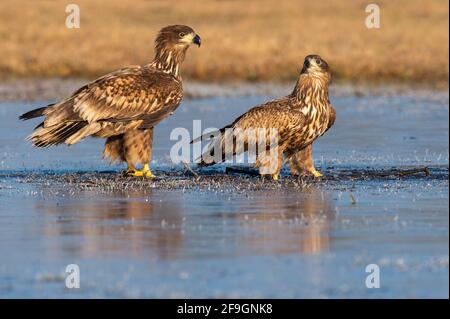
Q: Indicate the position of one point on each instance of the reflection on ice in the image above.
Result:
(155, 224)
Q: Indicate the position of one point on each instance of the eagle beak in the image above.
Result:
(306, 66)
(307, 63)
(197, 40)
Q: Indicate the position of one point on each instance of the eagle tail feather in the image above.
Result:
(56, 134)
(82, 132)
(216, 144)
(33, 113)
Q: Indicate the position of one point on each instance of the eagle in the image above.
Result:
(123, 106)
(299, 119)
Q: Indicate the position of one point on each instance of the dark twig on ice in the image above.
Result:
(241, 170)
(345, 174)
(189, 169)
(398, 172)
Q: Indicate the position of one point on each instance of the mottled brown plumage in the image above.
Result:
(122, 106)
(300, 118)
(302, 163)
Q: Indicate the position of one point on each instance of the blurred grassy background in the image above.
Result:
(253, 40)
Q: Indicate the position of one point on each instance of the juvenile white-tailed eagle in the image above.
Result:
(299, 118)
(122, 106)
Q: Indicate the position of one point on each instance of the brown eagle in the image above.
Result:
(122, 106)
(299, 118)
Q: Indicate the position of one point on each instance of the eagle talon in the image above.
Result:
(144, 172)
(140, 173)
(275, 177)
(316, 173)
(132, 172)
(148, 174)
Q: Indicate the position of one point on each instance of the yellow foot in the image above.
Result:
(140, 173)
(316, 173)
(275, 177)
(145, 172)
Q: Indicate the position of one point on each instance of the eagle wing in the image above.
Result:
(272, 115)
(331, 118)
(279, 103)
(130, 98)
(128, 94)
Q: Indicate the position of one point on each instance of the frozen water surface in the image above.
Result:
(234, 235)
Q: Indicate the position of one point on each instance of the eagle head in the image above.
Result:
(177, 36)
(315, 65)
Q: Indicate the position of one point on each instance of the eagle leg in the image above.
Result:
(302, 163)
(137, 148)
(270, 166)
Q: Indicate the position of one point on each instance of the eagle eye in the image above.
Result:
(318, 62)
(182, 34)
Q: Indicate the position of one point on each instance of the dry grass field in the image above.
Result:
(252, 40)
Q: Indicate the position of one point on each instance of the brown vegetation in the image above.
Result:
(242, 40)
